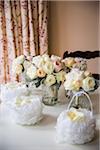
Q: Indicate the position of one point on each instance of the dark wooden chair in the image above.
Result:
(86, 55)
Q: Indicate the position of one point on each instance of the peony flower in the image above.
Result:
(31, 72)
(50, 80)
(88, 84)
(48, 67)
(60, 76)
(41, 73)
(17, 69)
(27, 64)
(57, 65)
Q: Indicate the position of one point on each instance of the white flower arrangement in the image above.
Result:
(42, 69)
(77, 80)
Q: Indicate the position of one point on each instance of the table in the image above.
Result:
(42, 135)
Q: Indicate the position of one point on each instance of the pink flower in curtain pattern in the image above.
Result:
(23, 30)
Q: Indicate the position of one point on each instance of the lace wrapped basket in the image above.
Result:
(76, 126)
(26, 110)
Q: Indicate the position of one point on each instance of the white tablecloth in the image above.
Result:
(42, 135)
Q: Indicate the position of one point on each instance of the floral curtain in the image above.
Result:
(23, 30)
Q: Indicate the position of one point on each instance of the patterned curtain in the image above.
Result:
(23, 30)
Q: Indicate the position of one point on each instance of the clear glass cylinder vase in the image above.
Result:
(50, 95)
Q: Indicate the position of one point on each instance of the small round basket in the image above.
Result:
(26, 110)
(76, 125)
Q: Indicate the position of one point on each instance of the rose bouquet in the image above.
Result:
(76, 81)
(41, 69)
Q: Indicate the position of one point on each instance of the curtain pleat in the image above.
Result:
(23, 30)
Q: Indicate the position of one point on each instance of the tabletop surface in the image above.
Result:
(41, 136)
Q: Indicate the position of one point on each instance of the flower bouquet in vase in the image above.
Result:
(42, 71)
(78, 80)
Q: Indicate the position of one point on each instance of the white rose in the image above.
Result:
(16, 64)
(50, 80)
(31, 72)
(26, 64)
(46, 57)
(20, 59)
(76, 85)
(75, 74)
(44, 60)
(87, 73)
(68, 85)
(37, 60)
(60, 76)
(69, 62)
(88, 84)
(48, 67)
(17, 69)
(73, 79)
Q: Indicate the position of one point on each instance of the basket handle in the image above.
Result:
(78, 94)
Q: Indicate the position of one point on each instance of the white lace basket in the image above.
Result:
(26, 109)
(76, 126)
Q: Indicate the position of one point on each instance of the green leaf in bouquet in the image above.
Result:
(39, 81)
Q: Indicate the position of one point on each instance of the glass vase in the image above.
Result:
(50, 95)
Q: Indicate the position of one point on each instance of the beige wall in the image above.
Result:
(73, 26)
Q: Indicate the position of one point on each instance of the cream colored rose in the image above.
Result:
(88, 84)
(76, 85)
(31, 72)
(20, 59)
(17, 69)
(60, 76)
(46, 57)
(41, 73)
(68, 85)
(48, 67)
(87, 73)
(50, 80)
(26, 64)
(69, 62)
(37, 60)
